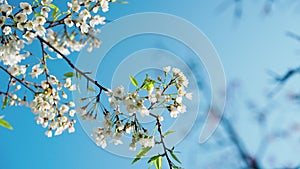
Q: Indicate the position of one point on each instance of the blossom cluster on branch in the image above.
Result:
(60, 33)
(166, 93)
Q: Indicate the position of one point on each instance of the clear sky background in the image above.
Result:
(248, 48)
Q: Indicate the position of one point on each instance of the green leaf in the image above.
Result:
(4, 104)
(141, 154)
(91, 89)
(5, 124)
(153, 158)
(134, 81)
(169, 132)
(174, 157)
(54, 13)
(69, 74)
(158, 163)
(150, 165)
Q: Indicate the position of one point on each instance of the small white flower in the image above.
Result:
(189, 96)
(45, 124)
(68, 21)
(97, 20)
(167, 69)
(147, 142)
(71, 129)
(71, 104)
(129, 129)
(130, 108)
(64, 95)
(21, 17)
(117, 139)
(144, 112)
(64, 108)
(173, 111)
(84, 14)
(160, 118)
(179, 100)
(72, 87)
(75, 7)
(176, 71)
(96, 9)
(58, 131)
(29, 25)
(6, 30)
(44, 11)
(14, 96)
(48, 133)
(152, 98)
(20, 26)
(104, 5)
(132, 147)
(44, 84)
(6, 8)
(36, 71)
(46, 2)
(18, 87)
(84, 28)
(40, 30)
(26, 7)
(68, 82)
(29, 36)
(181, 108)
(53, 80)
(72, 113)
(40, 20)
(118, 91)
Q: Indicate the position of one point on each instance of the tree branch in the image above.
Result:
(73, 66)
(20, 81)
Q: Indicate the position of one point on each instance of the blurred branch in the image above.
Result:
(281, 80)
(251, 162)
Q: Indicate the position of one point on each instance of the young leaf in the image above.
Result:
(150, 165)
(174, 157)
(134, 81)
(91, 89)
(69, 74)
(153, 158)
(169, 132)
(158, 163)
(141, 154)
(5, 124)
(4, 104)
(56, 9)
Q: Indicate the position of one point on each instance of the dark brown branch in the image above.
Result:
(163, 143)
(72, 65)
(20, 81)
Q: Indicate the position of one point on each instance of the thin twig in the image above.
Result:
(20, 81)
(73, 66)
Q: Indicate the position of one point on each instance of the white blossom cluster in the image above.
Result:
(61, 32)
(50, 111)
(164, 93)
(22, 24)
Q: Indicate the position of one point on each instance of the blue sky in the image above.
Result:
(248, 48)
